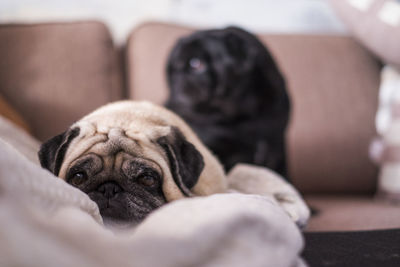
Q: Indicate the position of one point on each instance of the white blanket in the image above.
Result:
(46, 222)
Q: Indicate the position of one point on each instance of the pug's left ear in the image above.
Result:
(52, 152)
(185, 160)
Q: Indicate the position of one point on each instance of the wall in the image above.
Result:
(311, 16)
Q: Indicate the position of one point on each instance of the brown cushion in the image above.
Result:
(55, 73)
(346, 213)
(372, 27)
(333, 83)
(147, 51)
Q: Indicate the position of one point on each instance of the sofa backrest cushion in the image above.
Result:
(53, 74)
(333, 84)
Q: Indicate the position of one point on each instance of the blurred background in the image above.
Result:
(310, 16)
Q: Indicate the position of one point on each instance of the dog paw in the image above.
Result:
(294, 206)
(250, 179)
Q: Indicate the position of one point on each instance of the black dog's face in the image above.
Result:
(192, 72)
(125, 188)
(227, 71)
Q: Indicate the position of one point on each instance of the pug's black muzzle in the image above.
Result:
(111, 199)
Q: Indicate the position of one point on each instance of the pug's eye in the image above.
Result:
(197, 65)
(77, 178)
(147, 180)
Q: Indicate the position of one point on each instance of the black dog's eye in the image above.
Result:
(147, 180)
(197, 65)
(77, 178)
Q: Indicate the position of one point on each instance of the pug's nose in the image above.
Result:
(109, 189)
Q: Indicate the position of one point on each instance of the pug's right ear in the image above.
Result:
(185, 160)
(52, 152)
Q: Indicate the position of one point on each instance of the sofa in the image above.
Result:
(52, 74)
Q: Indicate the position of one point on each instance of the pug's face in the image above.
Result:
(128, 164)
(126, 187)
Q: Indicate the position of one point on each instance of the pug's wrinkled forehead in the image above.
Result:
(108, 141)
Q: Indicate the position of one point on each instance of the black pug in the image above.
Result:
(227, 86)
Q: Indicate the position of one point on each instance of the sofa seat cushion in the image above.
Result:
(351, 212)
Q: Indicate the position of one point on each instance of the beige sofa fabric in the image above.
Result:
(53, 74)
(147, 51)
(333, 83)
(351, 213)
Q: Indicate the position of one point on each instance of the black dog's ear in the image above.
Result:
(234, 43)
(185, 160)
(266, 71)
(51, 153)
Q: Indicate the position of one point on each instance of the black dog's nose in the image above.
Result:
(109, 189)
